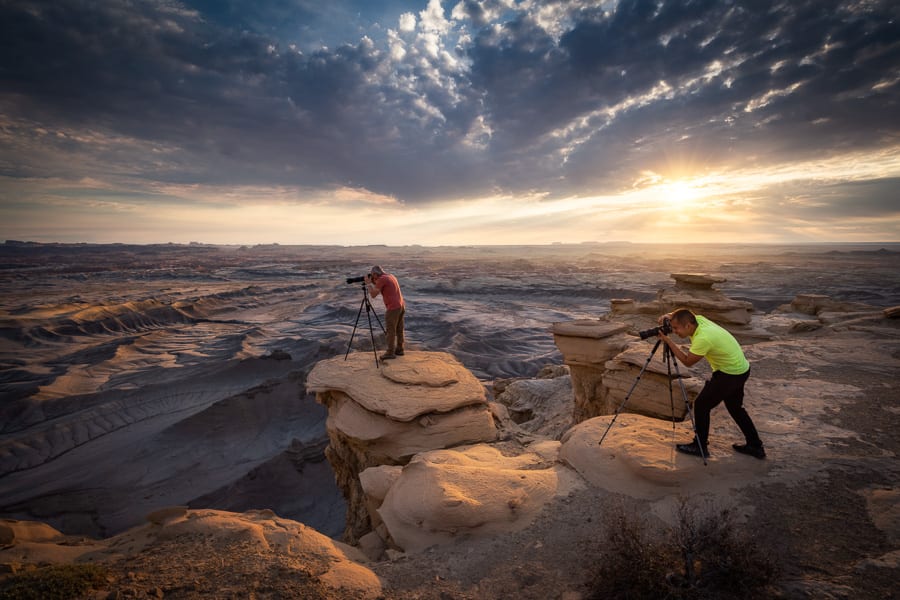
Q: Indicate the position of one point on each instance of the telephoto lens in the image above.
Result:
(649, 332)
(356, 279)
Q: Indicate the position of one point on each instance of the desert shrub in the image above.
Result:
(57, 582)
(705, 555)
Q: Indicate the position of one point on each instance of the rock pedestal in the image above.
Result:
(694, 291)
(587, 345)
(384, 415)
(650, 395)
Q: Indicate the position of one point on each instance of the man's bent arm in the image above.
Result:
(687, 358)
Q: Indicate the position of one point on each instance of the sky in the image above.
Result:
(453, 122)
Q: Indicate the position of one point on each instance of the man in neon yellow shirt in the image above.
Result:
(730, 372)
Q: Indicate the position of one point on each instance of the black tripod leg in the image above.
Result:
(355, 325)
(690, 413)
(628, 395)
(369, 311)
(668, 358)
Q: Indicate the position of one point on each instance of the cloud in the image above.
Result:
(450, 100)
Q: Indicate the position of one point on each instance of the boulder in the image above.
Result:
(445, 495)
(385, 415)
(286, 543)
(650, 395)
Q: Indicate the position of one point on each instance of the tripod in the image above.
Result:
(669, 359)
(370, 310)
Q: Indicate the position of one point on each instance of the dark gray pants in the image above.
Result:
(723, 387)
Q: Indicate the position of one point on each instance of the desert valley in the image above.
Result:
(137, 380)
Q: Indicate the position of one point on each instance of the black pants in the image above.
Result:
(723, 387)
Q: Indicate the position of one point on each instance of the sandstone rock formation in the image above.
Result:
(605, 364)
(638, 458)
(205, 540)
(586, 346)
(474, 491)
(651, 395)
(694, 291)
(385, 415)
(540, 406)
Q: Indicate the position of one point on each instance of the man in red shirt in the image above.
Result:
(386, 284)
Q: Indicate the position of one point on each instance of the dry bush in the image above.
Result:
(705, 555)
(58, 582)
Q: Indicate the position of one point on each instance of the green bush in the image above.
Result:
(705, 555)
(57, 582)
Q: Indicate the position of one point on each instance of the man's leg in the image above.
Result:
(400, 336)
(734, 402)
(708, 398)
(390, 330)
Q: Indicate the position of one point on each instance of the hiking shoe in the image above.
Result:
(388, 356)
(399, 352)
(693, 449)
(755, 451)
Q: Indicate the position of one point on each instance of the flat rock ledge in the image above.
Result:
(401, 389)
(386, 414)
(638, 458)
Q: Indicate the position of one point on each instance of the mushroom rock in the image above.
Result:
(476, 491)
(650, 395)
(586, 346)
(638, 458)
(385, 415)
(694, 291)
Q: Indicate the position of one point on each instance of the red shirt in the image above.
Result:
(389, 289)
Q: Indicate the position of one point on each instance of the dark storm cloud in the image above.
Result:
(237, 93)
(710, 116)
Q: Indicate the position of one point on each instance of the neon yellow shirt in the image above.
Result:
(719, 347)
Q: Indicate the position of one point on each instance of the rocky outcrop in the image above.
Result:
(605, 363)
(475, 491)
(652, 394)
(385, 415)
(587, 345)
(638, 457)
(694, 291)
(541, 406)
(217, 547)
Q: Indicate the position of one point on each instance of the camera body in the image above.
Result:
(357, 279)
(665, 328)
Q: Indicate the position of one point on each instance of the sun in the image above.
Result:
(679, 194)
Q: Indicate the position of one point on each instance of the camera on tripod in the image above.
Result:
(665, 328)
(356, 279)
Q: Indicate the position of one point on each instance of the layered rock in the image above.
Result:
(541, 406)
(694, 291)
(208, 543)
(385, 415)
(652, 394)
(468, 492)
(587, 345)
